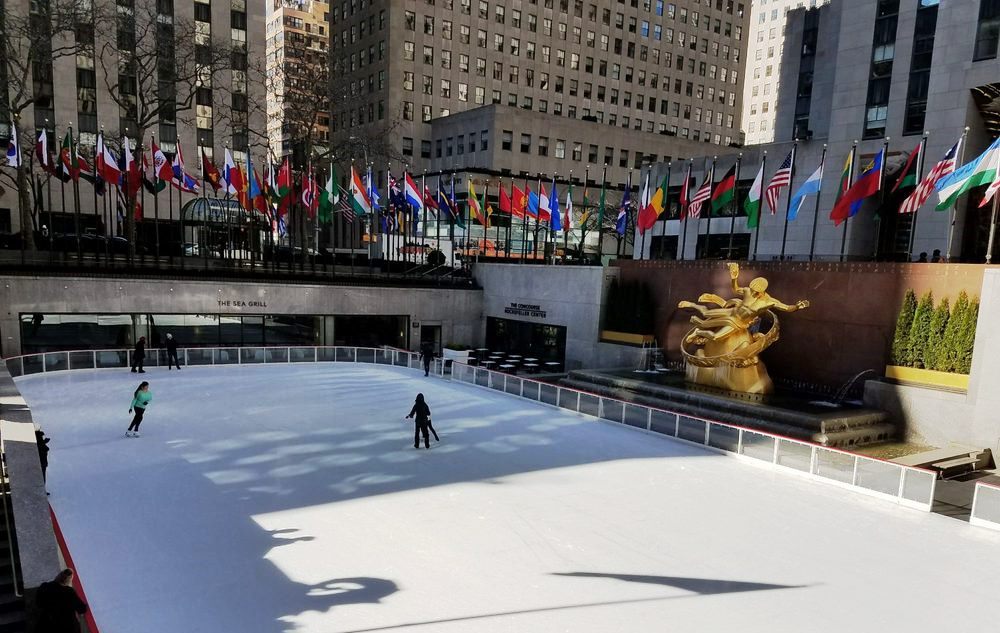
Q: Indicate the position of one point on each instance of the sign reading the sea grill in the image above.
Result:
(525, 309)
(242, 303)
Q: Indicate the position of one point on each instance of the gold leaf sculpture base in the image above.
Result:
(722, 350)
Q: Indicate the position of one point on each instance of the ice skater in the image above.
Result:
(139, 355)
(172, 353)
(59, 606)
(427, 355)
(423, 422)
(140, 400)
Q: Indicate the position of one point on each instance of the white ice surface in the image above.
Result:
(263, 499)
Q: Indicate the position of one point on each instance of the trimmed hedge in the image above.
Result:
(940, 338)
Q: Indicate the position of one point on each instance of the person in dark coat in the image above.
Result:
(427, 355)
(139, 355)
(172, 352)
(59, 606)
(422, 412)
(43, 450)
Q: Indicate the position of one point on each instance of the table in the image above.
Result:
(531, 360)
(531, 367)
(510, 369)
(488, 363)
(552, 365)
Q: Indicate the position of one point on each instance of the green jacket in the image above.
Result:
(141, 400)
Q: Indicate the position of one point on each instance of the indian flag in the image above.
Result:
(360, 203)
(752, 204)
(981, 171)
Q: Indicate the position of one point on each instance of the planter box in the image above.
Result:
(461, 355)
(624, 338)
(928, 378)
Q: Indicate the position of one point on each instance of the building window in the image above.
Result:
(425, 149)
(920, 67)
(506, 140)
(560, 148)
(484, 140)
(543, 145)
(880, 73)
(407, 146)
(525, 143)
(987, 30)
(410, 19)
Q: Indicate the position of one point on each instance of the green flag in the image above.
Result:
(600, 205)
(328, 197)
(752, 204)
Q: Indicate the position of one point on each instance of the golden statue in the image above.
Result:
(727, 338)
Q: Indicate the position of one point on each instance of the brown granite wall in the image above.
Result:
(848, 327)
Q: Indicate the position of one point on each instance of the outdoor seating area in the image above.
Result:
(511, 363)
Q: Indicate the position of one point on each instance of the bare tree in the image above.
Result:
(34, 35)
(158, 68)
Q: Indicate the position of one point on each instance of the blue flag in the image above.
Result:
(809, 187)
(554, 208)
(622, 219)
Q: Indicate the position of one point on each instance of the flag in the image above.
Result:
(453, 203)
(13, 149)
(602, 201)
(156, 176)
(621, 223)
(346, 205)
(328, 196)
(162, 169)
(67, 169)
(180, 179)
(429, 203)
(980, 171)
(309, 194)
(908, 177)
(210, 173)
(42, 152)
(519, 204)
(372, 188)
(995, 184)
(231, 175)
(651, 213)
(360, 202)
(532, 208)
(685, 193)
(866, 185)
(556, 221)
(106, 163)
(703, 193)
(845, 177)
(725, 191)
(505, 204)
(255, 190)
(811, 186)
(130, 170)
(781, 179)
(412, 194)
(752, 204)
(923, 191)
(474, 206)
(568, 213)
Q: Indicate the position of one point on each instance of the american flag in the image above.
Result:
(926, 186)
(703, 193)
(345, 206)
(781, 178)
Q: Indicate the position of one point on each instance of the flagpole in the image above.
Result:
(538, 215)
(735, 203)
(954, 206)
(99, 146)
(645, 189)
(666, 208)
(819, 192)
(708, 214)
(48, 187)
(684, 206)
(993, 229)
(920, 175)
(524, 220)
(600, 216)
(881, 201)
(142, 197)
(756, 236)
(788, 200)
(850, 177)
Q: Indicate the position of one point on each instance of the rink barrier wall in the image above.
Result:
(906, 485)
(986, 506)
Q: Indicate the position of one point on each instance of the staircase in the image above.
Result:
(13, 616)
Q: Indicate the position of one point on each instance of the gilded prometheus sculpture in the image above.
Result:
(722, 349)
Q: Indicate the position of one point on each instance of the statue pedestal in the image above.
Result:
(753, 379)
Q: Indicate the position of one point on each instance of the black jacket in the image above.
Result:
(422, 411)
(172, 346)
(140, 350)
(59, 608)
(43, 447)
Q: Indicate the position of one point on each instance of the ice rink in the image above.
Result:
(263, 499)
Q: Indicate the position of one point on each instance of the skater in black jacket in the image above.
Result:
(423, 422)
(139, 355)
(59, 606)
(427, 355)
(172, 353)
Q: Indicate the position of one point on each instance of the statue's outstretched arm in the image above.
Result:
(799, 305)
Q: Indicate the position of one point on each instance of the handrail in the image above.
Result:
(10, 532)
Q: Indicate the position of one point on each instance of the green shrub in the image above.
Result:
(902, 334)
(950, 353)
(967, 338)
(935, 347)
(916, 343)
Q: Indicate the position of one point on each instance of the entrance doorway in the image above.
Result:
(431, 334)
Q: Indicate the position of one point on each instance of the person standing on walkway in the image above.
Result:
(427, 355)
(43, 450)
(139, 355)
(172, 352)
(140, 400)
(422, 413)
(59, 606)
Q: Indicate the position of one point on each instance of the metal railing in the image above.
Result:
(7, 512)
(908, 486)
(986, 506)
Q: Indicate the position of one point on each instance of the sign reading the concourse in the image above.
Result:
(525, 309)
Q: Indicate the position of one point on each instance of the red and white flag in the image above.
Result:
(781, 179)
(703, 193)
(926, 187)
(107, 165)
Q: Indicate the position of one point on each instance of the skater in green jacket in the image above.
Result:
(140, 400)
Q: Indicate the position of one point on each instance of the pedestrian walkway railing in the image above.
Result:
(986, 506)
(906, 485)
